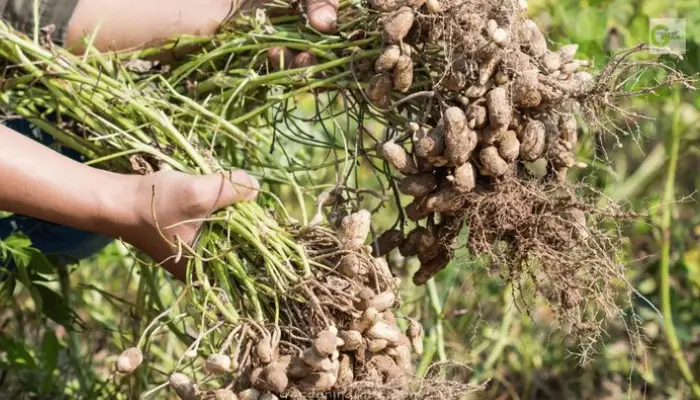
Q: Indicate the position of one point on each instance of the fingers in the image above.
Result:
(322, 17)
(280, 59)
(323, 14)
(304, 59)
(243, 187)
(232, 187)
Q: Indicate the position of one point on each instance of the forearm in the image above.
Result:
(127, 24)
(39, 182)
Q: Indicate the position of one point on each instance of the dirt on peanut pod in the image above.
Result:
(344, 340)
(497, 106)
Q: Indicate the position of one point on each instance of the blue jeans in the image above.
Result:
(64, 244)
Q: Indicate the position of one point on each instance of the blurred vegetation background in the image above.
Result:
(60, 339)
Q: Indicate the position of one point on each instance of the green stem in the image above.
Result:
(150, 276)
(73, 339)
(287, 96)
(666, 223)
(437, 308)
(504, 331)
(229, 314)
(248, 285)
(426, 360)
(647, 172)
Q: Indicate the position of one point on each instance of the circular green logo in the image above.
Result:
(660, 36)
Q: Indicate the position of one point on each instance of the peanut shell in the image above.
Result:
(532, 140)
(349, 265)
(388, 59)
(368, 318)
(465, 178)
(250, 394)
(264, 349)
(476, 91)
(455, 81)
(387, 241)
(397, 157)
(129, 360)
(345, 371)
(403, 74)
(383, 301)
(273, 378)
(460, 141)
(379, 90)
(476, 116)
(525, 90)
(416, 210)
(377, 345)
(319, 381)
(568, 52)
(491, 162)
(418, 185)
(224, 394)
(430, 143)
(351, 340)
(533, 39)
(325, 343)
(415, 334)
(354, 229)
(552, 62)
(489, 68)
(434, 6)
(509, 147)
(446, 200)
(217, 364)
(410, 246)
(183, 386)
(397, 24)
(429, 268)
(427, 245)
(500, 111)
(568, 130)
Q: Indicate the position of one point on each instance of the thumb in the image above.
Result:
(231, 187)
(323, 14)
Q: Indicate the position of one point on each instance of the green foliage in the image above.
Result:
(16, 355)
(33, 271)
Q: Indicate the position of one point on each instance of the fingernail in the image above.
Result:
(304, 59)
(273, 52)
(253, 188)
(246, 186)
(332, 24)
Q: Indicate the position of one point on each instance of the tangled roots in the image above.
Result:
(499, 101)
(494, 99)
(551, 235)
(337, 332)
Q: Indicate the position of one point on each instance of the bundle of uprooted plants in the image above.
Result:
(481, 128)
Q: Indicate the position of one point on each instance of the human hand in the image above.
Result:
(160, 213)
(170, 208)
(322, 16)
(129, 24)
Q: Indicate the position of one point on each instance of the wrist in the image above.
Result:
(118, 215)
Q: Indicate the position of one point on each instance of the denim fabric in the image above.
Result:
(20, 14)
(64, 244)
